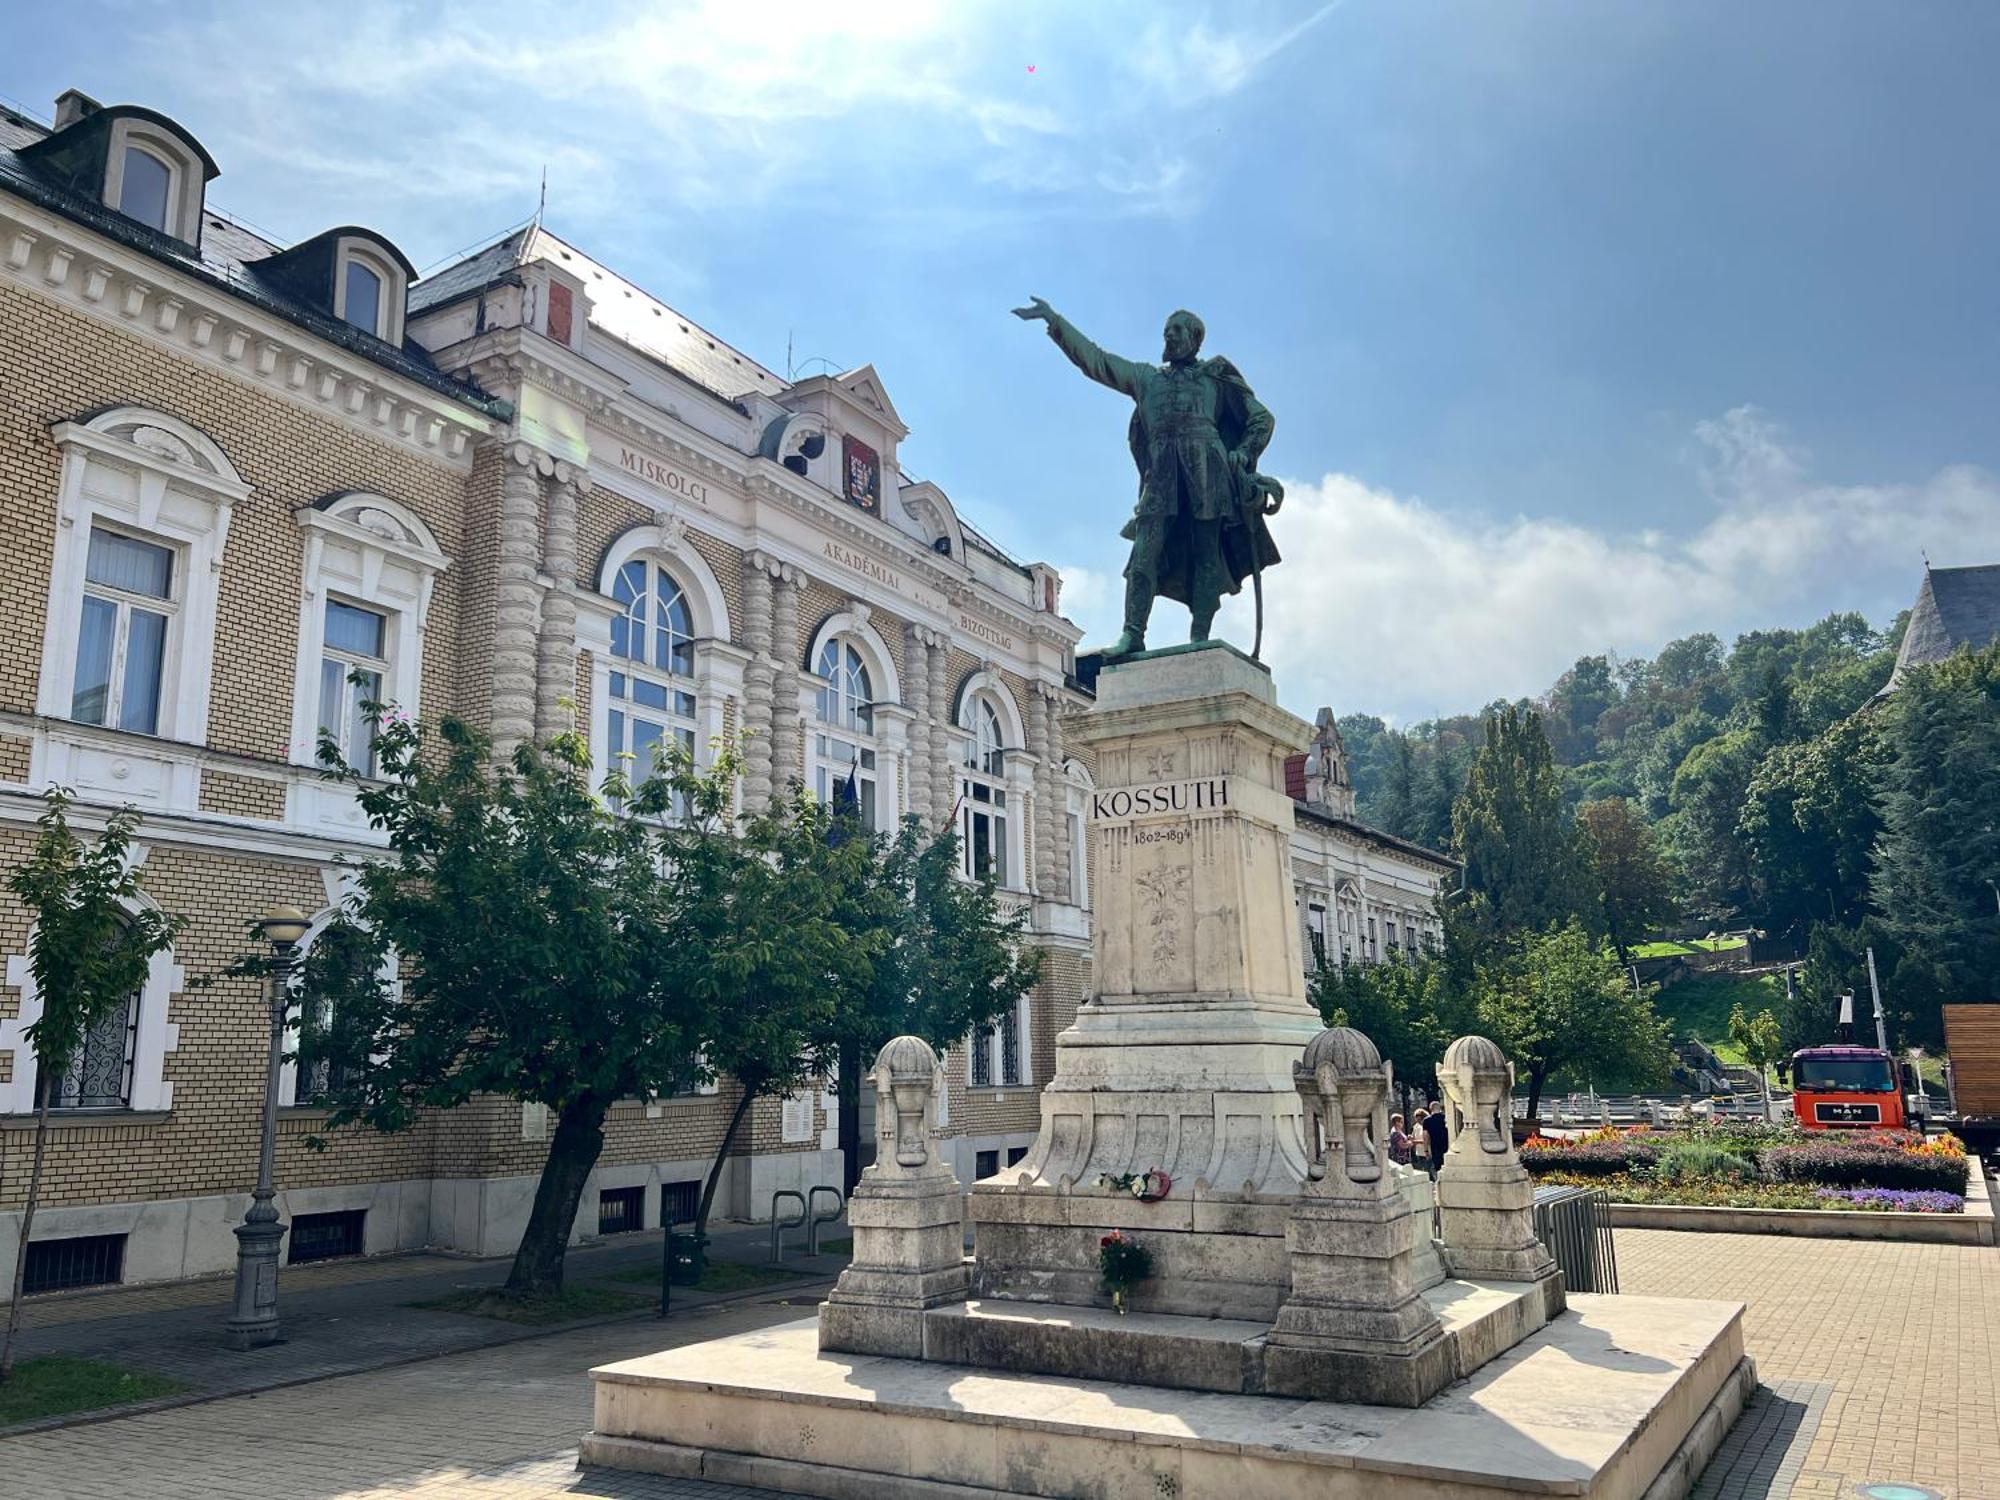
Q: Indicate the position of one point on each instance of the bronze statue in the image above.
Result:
(1196, 435)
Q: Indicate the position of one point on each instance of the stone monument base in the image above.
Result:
(1621, 1396)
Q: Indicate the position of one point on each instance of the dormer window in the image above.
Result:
(361, 296)
(145, 191)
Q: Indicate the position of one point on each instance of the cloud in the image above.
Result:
(1388, 604)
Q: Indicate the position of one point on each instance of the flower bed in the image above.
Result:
(1770, 1166)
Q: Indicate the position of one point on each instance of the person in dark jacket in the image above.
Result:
(1436, 1136)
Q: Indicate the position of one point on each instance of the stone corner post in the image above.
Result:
(1486, 1198)
(907, 1218)
(1355, 1327)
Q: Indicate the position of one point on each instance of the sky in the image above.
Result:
(1585, 325)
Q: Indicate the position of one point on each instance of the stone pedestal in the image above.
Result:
(909, 1240)
(1181, 1063)
(1486, 1199)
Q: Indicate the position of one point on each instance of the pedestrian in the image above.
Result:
(1420, 1140)
(1399, 1141)
(1435, 1135)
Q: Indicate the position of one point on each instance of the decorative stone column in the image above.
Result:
(516, 597)
(917, 698)
(758, 673)
(555, 665)
(1485, 1196)
(1043, 824)
(909, 1249)
(787, 764)
(1354, 1327)
(943, 764)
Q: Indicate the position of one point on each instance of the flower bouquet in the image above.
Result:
(1147, 1187)
(1122, 1263)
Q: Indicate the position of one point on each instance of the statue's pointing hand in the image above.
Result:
(1036, 311)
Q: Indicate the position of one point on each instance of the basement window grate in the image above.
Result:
(326, 1236)
(679, 1203)
(621, 1210)
(65, 1265)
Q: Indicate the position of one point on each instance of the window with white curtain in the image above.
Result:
(653, 703)
(844, 748)
(123, 637)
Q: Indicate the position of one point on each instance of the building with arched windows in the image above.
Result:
(249, 486)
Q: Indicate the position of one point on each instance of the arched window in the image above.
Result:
(652, 667)
(983, 806)
(844, 751)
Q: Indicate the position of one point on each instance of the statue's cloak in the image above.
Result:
(1243, 424)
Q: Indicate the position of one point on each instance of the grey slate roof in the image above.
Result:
(627, 312)
(1956, 607)
(227, 258)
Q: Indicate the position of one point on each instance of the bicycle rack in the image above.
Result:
(778, 1227)
(816, 1219)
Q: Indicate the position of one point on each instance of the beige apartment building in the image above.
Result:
(526, 492)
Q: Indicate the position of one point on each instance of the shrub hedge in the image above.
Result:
(1859, 1166)
(1898, 1160)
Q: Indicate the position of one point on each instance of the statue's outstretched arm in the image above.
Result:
(1100, 365)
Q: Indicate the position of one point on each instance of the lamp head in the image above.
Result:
(284, 925)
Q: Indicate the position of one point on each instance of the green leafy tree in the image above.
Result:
(1760, 1039)
(1807, 825)
(941, 960)
(1557, 1002)
(1628, 868)
(1709, 791)
(568, 949)
(1524, 868)
(88, 952)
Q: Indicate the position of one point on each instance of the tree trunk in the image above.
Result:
(579, 1138)
(1537, 1074)
(721, 1156)
(848, 1099)
(27, 1223)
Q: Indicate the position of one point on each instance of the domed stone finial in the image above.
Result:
(906, 1075)
(1344, 1085)
(1478, 1083)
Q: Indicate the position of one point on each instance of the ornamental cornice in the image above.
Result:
(194, 321)
(513, 357)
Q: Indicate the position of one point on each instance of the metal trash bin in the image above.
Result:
(1575, 1224)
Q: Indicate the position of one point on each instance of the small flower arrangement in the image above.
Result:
(1147, 1187)
(1122, 1263)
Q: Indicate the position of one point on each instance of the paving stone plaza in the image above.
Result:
(1876, 1357)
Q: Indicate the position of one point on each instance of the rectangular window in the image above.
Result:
(122, 637)
(843, 769)
(100, 1072)
(982, 1058)
(1316, 932)
(80, 1261)
(326, 1236)
(985, 1164)
(983, 831)
(1010, 1046)
(1079, 861)
(350, 675)
(621, 1210)
(1015, 1155)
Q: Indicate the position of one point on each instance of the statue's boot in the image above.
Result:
(1138, 606)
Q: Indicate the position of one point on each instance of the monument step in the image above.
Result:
(1481, 1320)
(1602, 1401)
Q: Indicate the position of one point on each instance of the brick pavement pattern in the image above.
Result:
(1905, 1340)
(1879, 1360)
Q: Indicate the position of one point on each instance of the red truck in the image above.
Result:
(1847, 1088)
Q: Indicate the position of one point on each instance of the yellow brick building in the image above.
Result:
(522, 490)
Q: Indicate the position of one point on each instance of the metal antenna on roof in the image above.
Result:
(542, 203)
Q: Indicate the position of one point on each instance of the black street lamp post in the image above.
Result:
(253, 1319)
